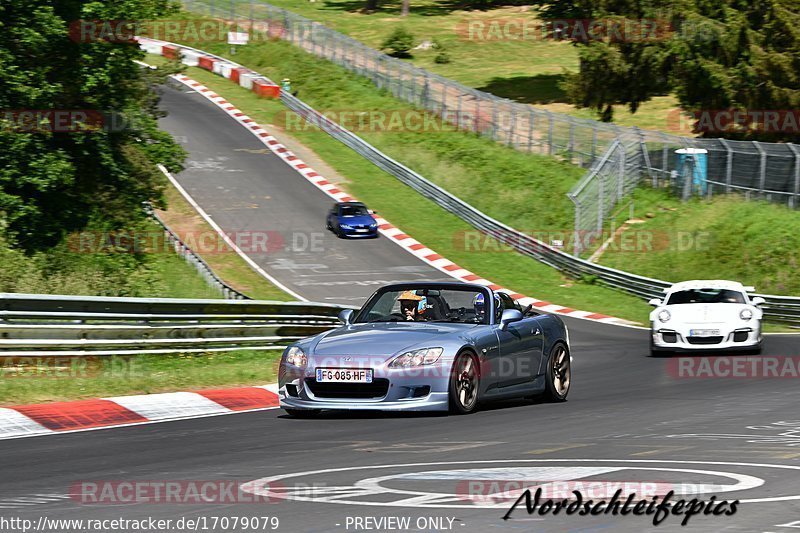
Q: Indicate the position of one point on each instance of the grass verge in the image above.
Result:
(488, 50)
(49, 379)
(421, 218)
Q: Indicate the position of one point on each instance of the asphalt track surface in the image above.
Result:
(629, 418)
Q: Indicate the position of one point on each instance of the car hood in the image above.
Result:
(364, 220)
(707, 313)
(386, 338)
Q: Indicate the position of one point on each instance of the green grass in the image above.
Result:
(526, 70)
(756, 243)
(69, 268)
(55, 379)
(423, 219)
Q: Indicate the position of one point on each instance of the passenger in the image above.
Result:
(412, 306)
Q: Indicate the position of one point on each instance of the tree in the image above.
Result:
(405, 8)
(713, 55)
(54, 182)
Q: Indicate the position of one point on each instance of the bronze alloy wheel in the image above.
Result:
(464, 383)
(559, 374)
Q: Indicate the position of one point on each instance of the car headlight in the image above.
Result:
(664, 315)
(745, 314)
(296, 357)
(345, 226)
(373, 225)
(426, 356)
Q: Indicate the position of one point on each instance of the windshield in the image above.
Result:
(466, 306)
(706, 296)
(353, 211)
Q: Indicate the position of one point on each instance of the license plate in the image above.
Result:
(362, 230)
(703, 332)
(344, 375)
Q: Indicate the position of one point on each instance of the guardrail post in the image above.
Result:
(763, 169)
(601, 201)
(571, 142)
(444, 104)
(728, 165)
(793, 200)
(550, 127)
(531, 119)
(512, 126)
(621, 173)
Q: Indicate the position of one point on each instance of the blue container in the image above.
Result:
(693, 164)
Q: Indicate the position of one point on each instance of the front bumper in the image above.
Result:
(680, 340)
(356, 234)
(423, 389)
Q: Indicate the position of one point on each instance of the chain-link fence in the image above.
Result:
(706, 167)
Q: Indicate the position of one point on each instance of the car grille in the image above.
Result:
(377, 389)
(704, 340)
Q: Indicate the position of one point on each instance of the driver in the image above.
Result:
(412, 306)
(479, 303)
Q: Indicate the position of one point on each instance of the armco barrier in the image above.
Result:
(782, 309)
(34, 324)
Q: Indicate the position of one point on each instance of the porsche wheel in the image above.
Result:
(464, 382)
(302, 413)
(559, 374)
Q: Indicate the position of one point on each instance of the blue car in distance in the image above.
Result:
(351, 219)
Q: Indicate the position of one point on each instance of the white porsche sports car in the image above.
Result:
(706, 315)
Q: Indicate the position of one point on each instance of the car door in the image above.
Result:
(520, 347)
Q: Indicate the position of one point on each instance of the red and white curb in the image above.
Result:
(98, 413)
(387, 229)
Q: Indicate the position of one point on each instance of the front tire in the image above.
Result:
(558, 375)
(464, 384)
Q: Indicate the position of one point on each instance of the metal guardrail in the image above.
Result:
(183, 250)
(782, 309)
(32, 324)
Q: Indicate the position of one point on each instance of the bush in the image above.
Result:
(399, 42)
(442, 58)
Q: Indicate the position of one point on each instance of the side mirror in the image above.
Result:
(509, 316)
(371, 212)
(346, 316)
(655, 302)
(758, 300)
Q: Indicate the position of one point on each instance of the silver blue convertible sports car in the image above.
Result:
(427, 347)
